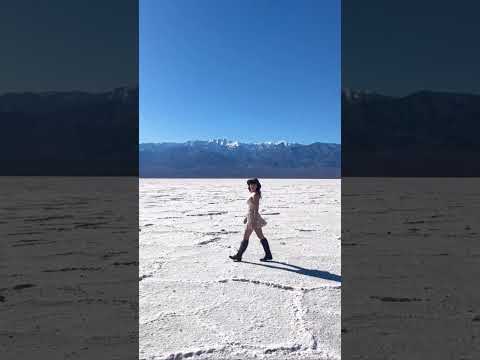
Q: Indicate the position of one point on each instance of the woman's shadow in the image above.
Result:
(300, 270)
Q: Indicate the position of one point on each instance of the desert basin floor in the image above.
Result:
(196, 303)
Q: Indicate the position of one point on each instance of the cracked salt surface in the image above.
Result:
(196, 303)
(66, 280)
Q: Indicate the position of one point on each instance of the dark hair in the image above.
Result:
(259, 186)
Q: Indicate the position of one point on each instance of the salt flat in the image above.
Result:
(68, 260)
(196, 303)
(410, 254)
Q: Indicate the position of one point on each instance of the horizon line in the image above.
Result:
(239, 142)
(408, 93)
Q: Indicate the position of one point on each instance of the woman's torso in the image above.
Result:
(253, 213)
(250, 201)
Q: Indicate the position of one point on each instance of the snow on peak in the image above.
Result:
(273, 143)
(236, 144)
(224, 142)
(233, 144)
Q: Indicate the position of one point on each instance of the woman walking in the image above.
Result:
(254, 222)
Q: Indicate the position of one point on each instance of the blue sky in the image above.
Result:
(247, 70)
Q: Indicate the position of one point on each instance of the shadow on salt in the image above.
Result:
(300, 270)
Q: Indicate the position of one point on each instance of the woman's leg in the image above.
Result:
(247, 233)
(259, 233)
(243, 245)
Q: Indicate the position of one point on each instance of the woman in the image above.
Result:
(254, 222)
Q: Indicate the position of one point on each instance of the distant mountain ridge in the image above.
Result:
(224, 158)
(426, 133)
(69, 133)
(54, 101)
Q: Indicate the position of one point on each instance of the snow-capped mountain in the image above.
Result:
(224, 158)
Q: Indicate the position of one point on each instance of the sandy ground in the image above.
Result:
(196, 303)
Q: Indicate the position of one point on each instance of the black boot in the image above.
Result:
(243, 247)
(268, 254)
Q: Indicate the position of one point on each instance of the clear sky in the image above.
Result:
(399, 47)
(246, 70)
(59, 45)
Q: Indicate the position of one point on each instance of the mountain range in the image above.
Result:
(69, 133)
(230, 159)
(426, 133)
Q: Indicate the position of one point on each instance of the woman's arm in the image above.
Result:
(256, 203)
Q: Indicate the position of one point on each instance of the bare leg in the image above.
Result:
(247, 233)
(259, 233)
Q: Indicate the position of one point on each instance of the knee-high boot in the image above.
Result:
(266, 248)
(241, 250)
